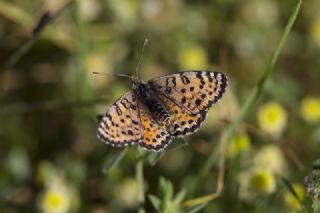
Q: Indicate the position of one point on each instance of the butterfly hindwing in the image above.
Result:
(155, 136)
(121, 124)
(182, 122)
(193, 91)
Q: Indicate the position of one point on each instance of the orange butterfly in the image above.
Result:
(154, 112)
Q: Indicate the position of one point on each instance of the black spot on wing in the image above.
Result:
(191, 128)
(210, 76)
(183, 100)
(164, 142)
(198, 102)
(112, 142)
(199, 75)
(184, 79)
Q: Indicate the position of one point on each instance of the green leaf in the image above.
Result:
(13, 13)
(156, 202)
(194, 209)
(179, 197)
(167, 190)
(153, 158)
(308, 204)
(178, 143)
(316, 205)
(114, 161)
(290, 188)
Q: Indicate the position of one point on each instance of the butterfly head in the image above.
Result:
(136, 82)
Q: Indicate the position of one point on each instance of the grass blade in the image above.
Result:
(290, 188)
(195, 209)
(114, 161)
(156, 202)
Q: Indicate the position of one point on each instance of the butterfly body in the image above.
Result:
(154, 112)
(147, 96)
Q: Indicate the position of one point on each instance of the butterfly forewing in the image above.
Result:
(193, 91)
(121, 124)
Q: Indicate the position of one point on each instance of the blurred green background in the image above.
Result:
(51, 160)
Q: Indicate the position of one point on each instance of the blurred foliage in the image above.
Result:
(51, 160)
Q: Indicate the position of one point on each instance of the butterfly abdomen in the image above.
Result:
(159, 112)
(156, 108)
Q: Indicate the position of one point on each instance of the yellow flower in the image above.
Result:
(263, 182)
(290, 200)
(239, 144)
(272, 118)
(310, 109)
(255, 182)
(270, 158)
(56, 198)
(315, 31)
(192, 58)
(54, 201)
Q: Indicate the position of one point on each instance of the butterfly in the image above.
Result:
(154, 112)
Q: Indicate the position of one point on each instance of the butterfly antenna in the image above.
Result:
(143, 45)
(120, 75)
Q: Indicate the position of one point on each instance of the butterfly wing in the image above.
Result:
(127, 122)
(193, 91)
(155, 136)
(182, 122)
(121, 124)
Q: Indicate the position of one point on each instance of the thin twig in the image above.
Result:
(220, 179)
(44, 21)
(47, 18)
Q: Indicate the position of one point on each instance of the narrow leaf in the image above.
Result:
(156, 202)
(114, 161)
(290, 188)
(195, 209)
(178, 143)
(179, 197)
(153, 158)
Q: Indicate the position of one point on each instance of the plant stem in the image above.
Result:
(82, 43)
(140, 181)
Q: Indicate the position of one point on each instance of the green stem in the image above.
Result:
(82, 43)
(256, 92)
(140, 181)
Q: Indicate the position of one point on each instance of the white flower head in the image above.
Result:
(270, 158)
